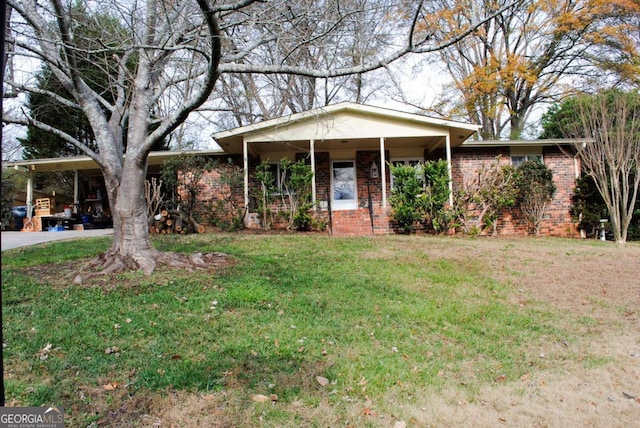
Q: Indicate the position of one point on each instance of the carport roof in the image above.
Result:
(85, 163)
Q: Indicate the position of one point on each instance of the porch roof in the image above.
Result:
(346, 123)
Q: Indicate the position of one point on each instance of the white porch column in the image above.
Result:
(383, 173)
(448, 150)
(29, 194)
(245, 161)
(312, 152)
(76, 191)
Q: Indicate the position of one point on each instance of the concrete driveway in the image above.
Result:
(12, 239)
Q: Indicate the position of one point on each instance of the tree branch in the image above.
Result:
(210, 79)
(28, 121)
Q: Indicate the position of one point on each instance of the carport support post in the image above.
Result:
(29, 194)
(76, 191)
(447, 140)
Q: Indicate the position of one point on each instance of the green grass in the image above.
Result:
(374, 316)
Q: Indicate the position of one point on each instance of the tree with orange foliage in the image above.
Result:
(527, 54)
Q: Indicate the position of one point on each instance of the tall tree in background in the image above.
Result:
(531, 53)
(38, 143)
(610, 120)
(368, 27)
(174, 45)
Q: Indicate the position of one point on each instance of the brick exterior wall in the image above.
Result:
(557, 220)
(465, 161)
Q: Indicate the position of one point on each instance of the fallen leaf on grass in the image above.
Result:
(369, 412)
(323, 381)
(259, 398)
(44, 352)
(110, 386)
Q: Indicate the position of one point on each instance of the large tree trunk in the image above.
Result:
(132, 247)
(130, 224)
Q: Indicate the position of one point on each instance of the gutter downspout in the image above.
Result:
(76, 191)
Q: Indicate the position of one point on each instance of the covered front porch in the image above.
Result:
(348, 147)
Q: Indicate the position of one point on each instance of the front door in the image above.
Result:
(343, 185)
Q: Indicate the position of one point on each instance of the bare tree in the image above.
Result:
(367, 27)
(611, 119)
(154, 60)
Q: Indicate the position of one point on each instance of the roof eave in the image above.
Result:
(344, 106)
(86, 162)
(526, 143)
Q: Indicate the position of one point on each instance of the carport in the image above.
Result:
(89, 168)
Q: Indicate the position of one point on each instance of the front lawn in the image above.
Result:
(300, 330)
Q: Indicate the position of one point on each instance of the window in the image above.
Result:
(279, 178)
(520, 155)
(520, 159)
(406, 161)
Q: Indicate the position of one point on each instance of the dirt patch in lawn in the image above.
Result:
(597, 286)
(60, 275)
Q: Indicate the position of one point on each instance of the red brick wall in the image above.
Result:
(465, 161)
(358, 222)
(557, 220)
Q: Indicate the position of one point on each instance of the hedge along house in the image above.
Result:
(349, 145)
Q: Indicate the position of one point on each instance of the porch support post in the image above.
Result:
(245, 161)
(29, 194)
(449, 172)
(76, 191)
(312, 152)
(383, 173)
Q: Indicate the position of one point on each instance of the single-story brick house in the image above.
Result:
(348, 146)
